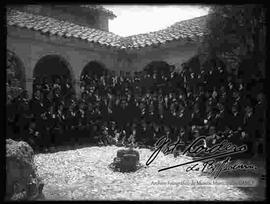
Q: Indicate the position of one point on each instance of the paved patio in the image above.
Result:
(83, 174)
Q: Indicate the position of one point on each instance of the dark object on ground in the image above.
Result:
(22, 182)
(127, 160)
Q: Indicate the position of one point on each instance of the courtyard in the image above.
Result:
(79, 90)
(83, 174)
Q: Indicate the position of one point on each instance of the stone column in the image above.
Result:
(76, 84)
(29, 86)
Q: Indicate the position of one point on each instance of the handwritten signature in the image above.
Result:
(222, 149)
(215, 168)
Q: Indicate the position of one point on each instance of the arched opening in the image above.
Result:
(92, 74)
(52, 69)
(52, 65)
(95, 69)
(213, 64)
(194, 64)
(15, 72)
(154, 75)
(158, 67)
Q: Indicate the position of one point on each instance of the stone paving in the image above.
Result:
(83, 174)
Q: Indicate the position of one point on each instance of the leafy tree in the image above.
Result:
(13, 85)
(237, 32)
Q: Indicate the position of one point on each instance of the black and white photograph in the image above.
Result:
(135, 102)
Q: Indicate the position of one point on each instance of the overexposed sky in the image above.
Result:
(137, 19)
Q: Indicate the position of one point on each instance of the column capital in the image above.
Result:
(29, 79)
(77, 81)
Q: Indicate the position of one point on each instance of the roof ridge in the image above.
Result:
(191, 19)
(160, 30)
(63, 21)
(47, 24)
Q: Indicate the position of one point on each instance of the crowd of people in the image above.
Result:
(139, 109)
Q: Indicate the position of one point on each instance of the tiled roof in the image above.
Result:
(100, 9)
(61, 28)
(191, 30)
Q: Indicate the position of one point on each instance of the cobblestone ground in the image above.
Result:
(83, 174)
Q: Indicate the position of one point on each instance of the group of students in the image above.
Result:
(138, 109)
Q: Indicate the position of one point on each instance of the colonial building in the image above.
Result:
(69, 39)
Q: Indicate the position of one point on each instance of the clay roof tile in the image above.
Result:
(189, 29)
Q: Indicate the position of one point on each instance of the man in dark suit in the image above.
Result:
(36, 104)
(33, 136)
(249, 128)
(149, 136)
(139, 133)
(236, 119)
(222, 118)
(71, 124)
(259, 115)
(11, 120)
